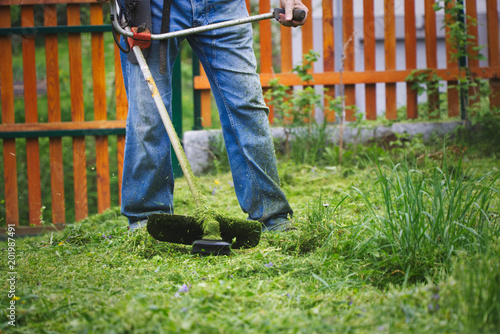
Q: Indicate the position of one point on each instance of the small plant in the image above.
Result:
(424, 81)
(427, 81)
(296, 110)
(407, 147)
(217, 150)
(457, 26)
(464, 49)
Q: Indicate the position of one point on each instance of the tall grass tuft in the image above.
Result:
(424, 217)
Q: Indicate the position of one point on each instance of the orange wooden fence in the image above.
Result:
(370, 76)
(78, 128)
(54, 128)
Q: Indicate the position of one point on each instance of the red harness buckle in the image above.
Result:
(141, 39)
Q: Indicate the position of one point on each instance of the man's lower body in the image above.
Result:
(229, 61)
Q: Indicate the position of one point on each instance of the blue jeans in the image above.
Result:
(229, 61)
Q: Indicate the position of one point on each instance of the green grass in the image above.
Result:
(331, 275)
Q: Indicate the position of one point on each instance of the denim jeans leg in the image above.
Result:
(148, 181)
(229, 61)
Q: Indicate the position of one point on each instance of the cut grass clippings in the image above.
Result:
(337, 273)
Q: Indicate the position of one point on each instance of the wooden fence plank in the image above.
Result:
(473, 60)
(10, 175)
(308, 45)
(206, 102)
(54, 115)
(31, 116)
(206, 108)
(328, 55)
(390, 58)
(100, 109)
(63, 126)
(286, 47)
(8, 117)
(471, 11)
(451, 62)
(307, 32)
(349, 63)
(77, 115)
(430, 35)
(265, 40)
(351, 78)
(431, 52)
(493, 49)
(29, 67)
(411, 57)
(98, 70)
(121, 114)
(370, 54)
(266, 47)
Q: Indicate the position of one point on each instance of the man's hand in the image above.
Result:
(287, 19)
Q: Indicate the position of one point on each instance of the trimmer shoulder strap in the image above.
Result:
(165, 27)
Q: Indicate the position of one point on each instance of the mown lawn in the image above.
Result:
(345, 270)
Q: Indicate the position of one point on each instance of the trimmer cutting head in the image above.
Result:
(235, 233)
(211, 247)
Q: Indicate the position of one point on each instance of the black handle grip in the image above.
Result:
(298, 14)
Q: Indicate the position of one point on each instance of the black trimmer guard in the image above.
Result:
(187, 230)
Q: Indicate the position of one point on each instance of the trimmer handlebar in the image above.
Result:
(298, 15)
